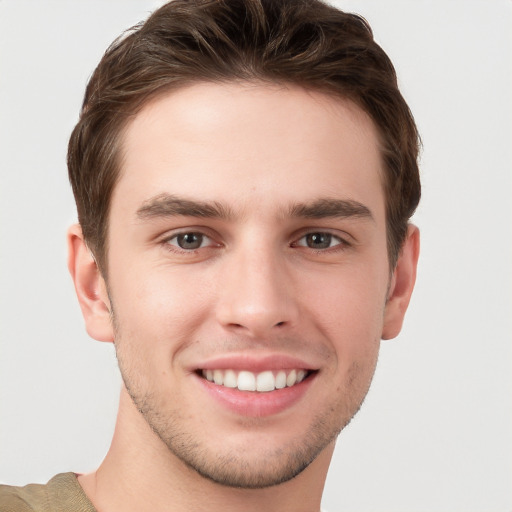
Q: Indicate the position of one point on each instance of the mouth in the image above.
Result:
(261, 382)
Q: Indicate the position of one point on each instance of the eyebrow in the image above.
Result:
(328, 207)
(166, 205)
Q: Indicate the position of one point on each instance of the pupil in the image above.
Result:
(190, 240)
(319, 240)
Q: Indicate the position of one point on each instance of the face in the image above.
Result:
(248, 274)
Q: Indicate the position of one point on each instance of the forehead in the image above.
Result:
(249, 143)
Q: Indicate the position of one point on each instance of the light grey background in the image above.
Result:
(435, 432)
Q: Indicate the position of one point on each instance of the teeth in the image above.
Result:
(218, 377)
(301, 375)
(265, 381)
(248, 381)
(281, 380)
(292, 378)
(230, 379)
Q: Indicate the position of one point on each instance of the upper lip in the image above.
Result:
(253, 363)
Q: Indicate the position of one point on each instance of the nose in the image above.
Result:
(256, 296)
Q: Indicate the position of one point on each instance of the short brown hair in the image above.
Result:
(304, 42)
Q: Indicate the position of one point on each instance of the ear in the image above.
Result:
(402, 284)
(90, 287)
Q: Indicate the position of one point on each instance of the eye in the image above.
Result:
(189, 241)
(319, 240)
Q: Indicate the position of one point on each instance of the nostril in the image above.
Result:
(279, 324)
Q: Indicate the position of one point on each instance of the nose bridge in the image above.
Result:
(256, 294)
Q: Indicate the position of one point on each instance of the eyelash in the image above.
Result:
(341, 243)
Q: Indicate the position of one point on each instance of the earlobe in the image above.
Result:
(90, 287)
(402, 284)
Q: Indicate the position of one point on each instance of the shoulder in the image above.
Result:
(60, 493)
(32, 497)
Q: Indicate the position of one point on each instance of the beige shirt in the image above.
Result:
(61, 494)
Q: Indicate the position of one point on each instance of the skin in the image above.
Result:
(267, 159)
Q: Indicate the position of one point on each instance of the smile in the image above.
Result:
(261, 382)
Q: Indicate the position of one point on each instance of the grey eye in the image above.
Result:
(188, 241)
(318, 240)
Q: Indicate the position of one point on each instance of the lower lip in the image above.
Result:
(257, 404)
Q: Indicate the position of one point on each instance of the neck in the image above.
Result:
(140, 474)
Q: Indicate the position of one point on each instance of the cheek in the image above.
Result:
(348, 311)
(351, 300)
(156, 314)
(159, 294)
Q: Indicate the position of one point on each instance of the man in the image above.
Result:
(244, 173)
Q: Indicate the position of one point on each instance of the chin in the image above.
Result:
(253, 461)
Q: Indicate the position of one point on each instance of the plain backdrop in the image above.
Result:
(434, 434)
